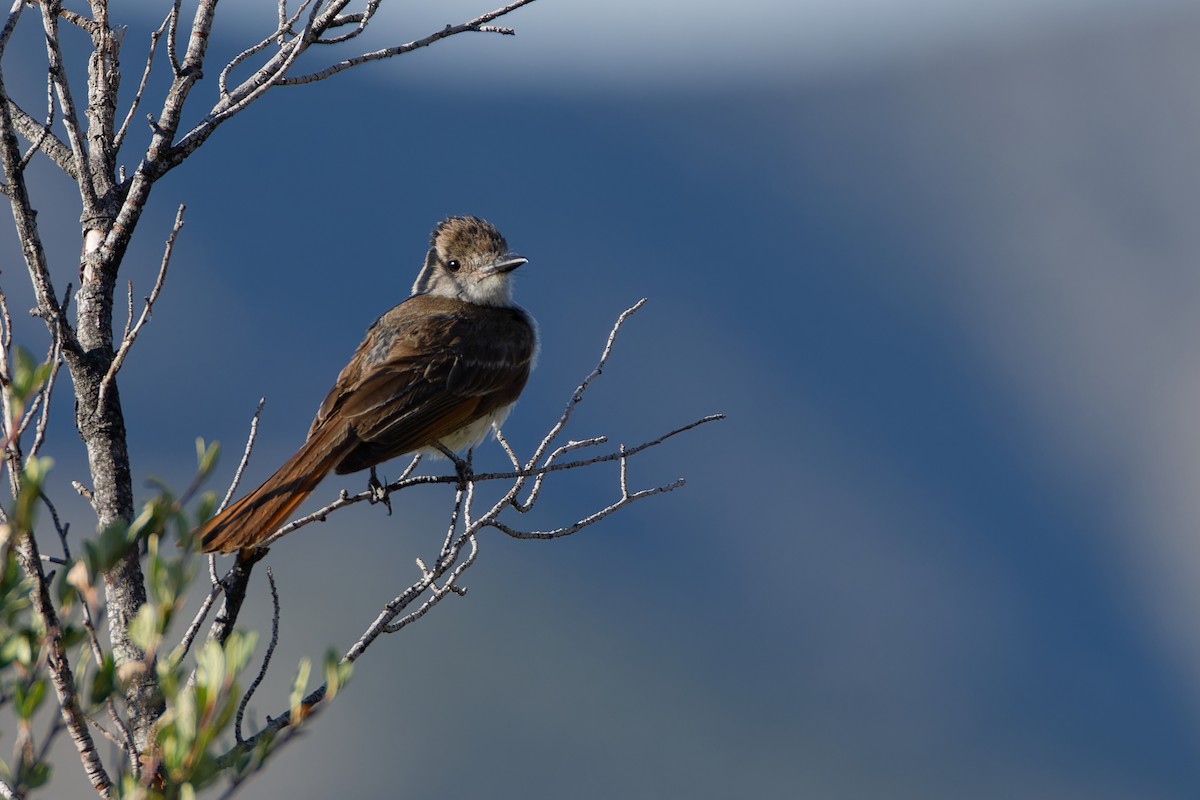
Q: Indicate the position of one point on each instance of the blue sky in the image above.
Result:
(937, 263)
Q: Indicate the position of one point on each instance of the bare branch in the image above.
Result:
(5, 338)
(173, 37)
(250, 439)
(235, 583)
(577, 397)
(24, 217)
(477, 25)
(359, 20)
(60, 666)
(119, 139)
(44, 133)
(217, 586)
(47, 391)
(50, 9)
(131, 334)
(277, 36)
(346, 499)
(105, 732)
(84, 492)
(539, 480)
(592, 519)
(262, 673)
(14, 14)
(43, 140)
(275, 71)
(460, 546)
(125, 740)
(79, 21)
(189, 636)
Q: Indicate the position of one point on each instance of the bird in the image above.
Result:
(439, 370)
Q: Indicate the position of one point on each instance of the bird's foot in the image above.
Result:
(462, 466)
(379, 492)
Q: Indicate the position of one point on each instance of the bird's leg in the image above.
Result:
(462, 467)
(379, 492)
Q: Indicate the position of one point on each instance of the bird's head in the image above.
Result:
(469, 260)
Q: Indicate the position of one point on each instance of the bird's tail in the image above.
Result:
(260, 513)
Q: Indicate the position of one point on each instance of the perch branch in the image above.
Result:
(451, 561)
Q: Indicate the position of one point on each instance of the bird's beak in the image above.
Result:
(507, 263)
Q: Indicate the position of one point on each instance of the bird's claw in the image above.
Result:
(379, 492)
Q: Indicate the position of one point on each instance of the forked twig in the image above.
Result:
(131, 333)
(119, 138)
(460, 546)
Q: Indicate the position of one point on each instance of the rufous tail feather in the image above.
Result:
(260, 513)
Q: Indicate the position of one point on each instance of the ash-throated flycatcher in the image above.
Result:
(440, 368)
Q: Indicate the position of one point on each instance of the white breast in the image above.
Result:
(473, 433)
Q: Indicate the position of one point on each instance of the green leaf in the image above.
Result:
(169, 579)
(104, 681)
(337, 673)
(186, 714)
(109, 547)
(28, 378)
(238, 649)
(35, 775)
(73, 635)
(206, 770)
(146, 629)
(299, 687)
(206, 456)
(64, 592)
(33, 475)
(27, 698)
(210, 667)
(18, 647)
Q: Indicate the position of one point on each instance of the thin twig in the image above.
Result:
(359, 20)
(275, 71)
(131, 334)
(126, 738)
(172, 36)
(278, 36)
(451, 561)
(236, 581)
(39, 432)
(262, 673)
(48, 143)
(43, 135)
(250, 439)
(539, 480)
(105, 732)
(119, 138)
(592, 519)
(62, 87)
(477, 25)
(577, 397)
(346, 499)
(189, 636)
(59, 666)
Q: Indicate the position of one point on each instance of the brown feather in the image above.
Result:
(261, 512)
(426, 372)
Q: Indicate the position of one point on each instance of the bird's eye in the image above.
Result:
(452, 265)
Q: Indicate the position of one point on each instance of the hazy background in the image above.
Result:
(935, 260)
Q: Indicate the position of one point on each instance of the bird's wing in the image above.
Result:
(432, 376)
